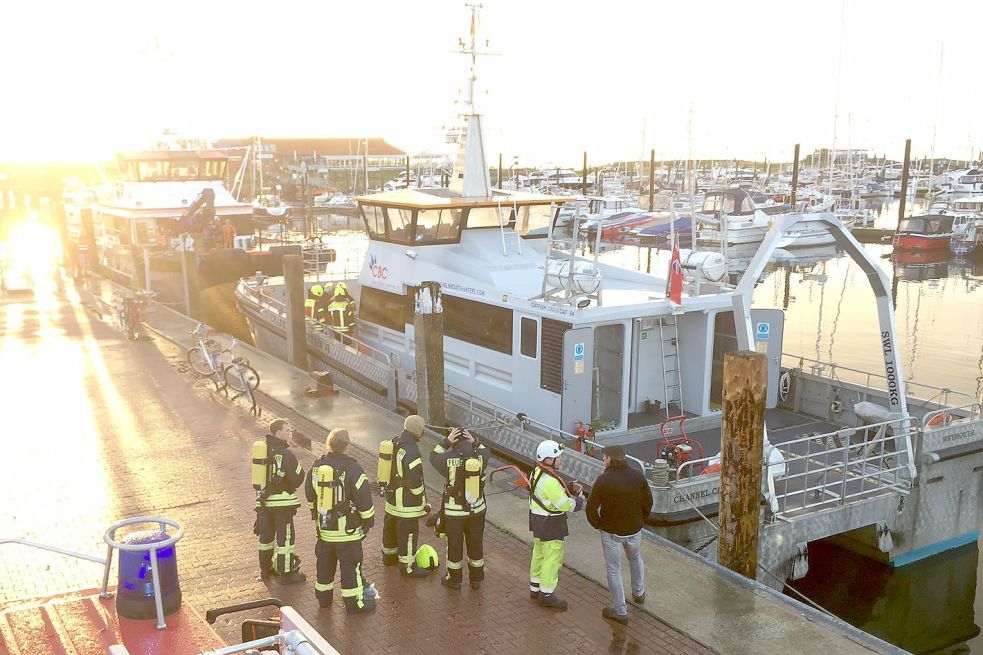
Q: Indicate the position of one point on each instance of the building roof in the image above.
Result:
(330, 147)
(446, 199)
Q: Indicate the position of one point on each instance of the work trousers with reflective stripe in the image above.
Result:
(276, 536)
(401, 537)
(347, 555)
(461, 529)
(547, 560)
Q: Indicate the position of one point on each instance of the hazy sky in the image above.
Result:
(84, 79)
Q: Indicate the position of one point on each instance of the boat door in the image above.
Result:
(578, 374)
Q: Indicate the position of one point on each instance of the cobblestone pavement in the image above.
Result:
(99, 428)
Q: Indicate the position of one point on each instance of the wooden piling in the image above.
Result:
(583, 178)
(904, 180)
(499, 171)
(407, 171)
(651, 183)
(795, 175)
(428, 330)
(189, 274)
(293, 278)
(742, 436)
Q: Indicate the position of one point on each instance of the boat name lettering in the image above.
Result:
(958, 436)
(471, 291)
(891, 374)
(552, 309)
(703, 493)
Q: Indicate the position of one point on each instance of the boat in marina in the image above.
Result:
(542, 340)
(928, 232)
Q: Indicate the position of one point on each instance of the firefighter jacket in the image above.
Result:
(353, 513)
(449, 460)
(549, 504)
(283, 473)
(405, 494)
(342, 312)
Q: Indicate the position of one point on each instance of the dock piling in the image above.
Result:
(795, 175)
(293, 279)
(741, 445)
(652, 180)
(904, 179)
(190, 245)
(583, 178)
(428, 329)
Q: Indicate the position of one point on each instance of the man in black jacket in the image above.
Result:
(618, 505)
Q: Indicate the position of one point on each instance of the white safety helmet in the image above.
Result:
(548, 448)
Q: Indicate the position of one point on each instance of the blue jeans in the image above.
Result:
(613, 544)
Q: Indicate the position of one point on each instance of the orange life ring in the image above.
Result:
(940, 420)
(713, 468)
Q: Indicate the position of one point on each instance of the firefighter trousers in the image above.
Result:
(275, 526)
(470, 530)
(348, 556)
(400, 538)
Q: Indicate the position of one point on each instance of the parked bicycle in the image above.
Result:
(242, 379)
(206, 358)
(130, 310)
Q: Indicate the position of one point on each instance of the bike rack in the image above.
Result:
(110, 538)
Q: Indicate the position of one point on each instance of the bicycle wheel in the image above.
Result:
(199, 363)
(239, 377)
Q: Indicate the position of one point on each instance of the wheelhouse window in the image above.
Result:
(528, 337)
(375, 221)
(490, 216)
(534, 220)
(478, 323)
(438, 225)
(400, 224)
(389, 310)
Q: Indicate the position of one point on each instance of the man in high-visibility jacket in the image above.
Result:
(343, 526)
(462, 511)
(406, 501)
(341, 311)
(549, 502)
(276, 506)
(314, 306)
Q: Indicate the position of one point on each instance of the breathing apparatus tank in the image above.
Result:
(472, 479)
(384, 471)
(259, 465)
(326, 489)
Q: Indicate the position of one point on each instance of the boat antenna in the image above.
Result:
(471, 177)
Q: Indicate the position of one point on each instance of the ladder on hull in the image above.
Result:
(672, 377)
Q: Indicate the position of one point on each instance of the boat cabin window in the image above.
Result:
(438, 225)
(383, 308)
(490, 216)
(731, 204)
(478, 323)
(529, 337)
(164, 170)
(534, 220)
(375, 221)
(724, 341)
(400, 224)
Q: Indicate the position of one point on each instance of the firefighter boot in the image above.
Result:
(452, 580)
(476, 574)
(551, 601)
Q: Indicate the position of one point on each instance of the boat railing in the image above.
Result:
(837, 467)
(839, 373)
(946, 416)
(693, 467)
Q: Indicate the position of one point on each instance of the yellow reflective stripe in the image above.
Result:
(476, 563)
(367, 514)
(389, 551)
(339, 537)
(416, 462)
(439, 449)
(269, 546)
(406, 513)
(454, 566)
(417, 491)
(362, 479)
(324, 587)
(351, 593)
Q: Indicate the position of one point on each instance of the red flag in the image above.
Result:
(674, 287)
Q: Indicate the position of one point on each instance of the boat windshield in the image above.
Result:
(163, 170)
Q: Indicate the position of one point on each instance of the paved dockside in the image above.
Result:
(129, 432)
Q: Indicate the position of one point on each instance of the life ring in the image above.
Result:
(713, 468)
(940, 420)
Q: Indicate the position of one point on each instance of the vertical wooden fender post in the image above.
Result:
(652, 180)
(293, 278)
(795, 176)
(741, 445)
(428, 328)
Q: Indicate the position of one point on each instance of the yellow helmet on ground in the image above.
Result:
(427, 559)
(317, 290)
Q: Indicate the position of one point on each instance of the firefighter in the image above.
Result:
(276, 503)
(406, 499)
(549, 502)
(461, 460)
(314, 304)
(341, 311)
(340, 501)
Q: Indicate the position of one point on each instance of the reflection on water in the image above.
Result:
(925, 607)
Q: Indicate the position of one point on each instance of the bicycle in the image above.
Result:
(243, 379)
(206, 357)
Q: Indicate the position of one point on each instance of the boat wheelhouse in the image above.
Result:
(137, 222)
(929, 232)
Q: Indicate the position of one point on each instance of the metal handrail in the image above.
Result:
(110, 538)
(818, 366)
(54, 549)
(975, 413)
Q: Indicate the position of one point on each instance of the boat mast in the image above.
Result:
(471, 177)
